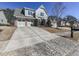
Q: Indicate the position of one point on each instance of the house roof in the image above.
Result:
(42, 7)
(18, 14)
(18, 11)
(54, 18)
(29, 8)
(2, 15)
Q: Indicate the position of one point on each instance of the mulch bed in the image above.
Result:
(54, 30)
(0, 30)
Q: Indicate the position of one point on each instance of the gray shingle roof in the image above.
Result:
(18, 11)
(29, 8)
(18, 14)
(2, 17)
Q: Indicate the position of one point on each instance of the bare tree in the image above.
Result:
(58, 9)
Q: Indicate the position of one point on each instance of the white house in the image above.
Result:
(25, 16)
(3, 19)
(41, 13)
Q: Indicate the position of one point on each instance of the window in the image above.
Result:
(29, 12)
(41, 14)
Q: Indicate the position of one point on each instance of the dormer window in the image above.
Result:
(41, 14)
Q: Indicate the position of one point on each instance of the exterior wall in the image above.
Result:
(38, 16)
(62, 23)
(26, 12)
(54, 23)
(3, 19)
(68, 24)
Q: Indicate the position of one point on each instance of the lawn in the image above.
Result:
(6, 32)
(54, 30)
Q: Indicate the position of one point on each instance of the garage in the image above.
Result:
(29, 24)
(23, 21)
(20, 23)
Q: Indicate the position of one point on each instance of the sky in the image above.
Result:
(72, 8)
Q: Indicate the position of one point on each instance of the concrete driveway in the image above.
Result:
(36, 41)
(24, 37)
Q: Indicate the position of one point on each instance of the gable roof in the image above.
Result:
(18, 14)
(18, 11)
(29, 8)
(2, 16)
(42, 7)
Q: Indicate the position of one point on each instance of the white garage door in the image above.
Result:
(20, 23)
(29, 24)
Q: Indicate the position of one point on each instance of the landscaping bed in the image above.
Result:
(0, 30)
(54, 30)
(6, 32)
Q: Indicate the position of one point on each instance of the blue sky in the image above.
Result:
(72, 8)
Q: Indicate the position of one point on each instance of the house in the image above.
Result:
(56, 22)
(53, 21)
(3, 19)
(62, 22)
(75, 23)
(25, 16)
(41, 13)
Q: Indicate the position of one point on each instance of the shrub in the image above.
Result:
(35, 23)
(49, 23)
(43, 22)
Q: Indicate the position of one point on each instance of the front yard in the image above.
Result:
(6, 32)
(63, 32)
(55, 30)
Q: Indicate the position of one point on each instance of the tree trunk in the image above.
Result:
(71, 32)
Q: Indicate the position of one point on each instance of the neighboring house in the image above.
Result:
(67, 23)
(56, 22)
(3, 19)
(25, 16)
(53, 21)
(9, 15)
(62, 23)
(75, 24)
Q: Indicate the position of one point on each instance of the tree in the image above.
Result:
(58, 9)
(71, 20)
